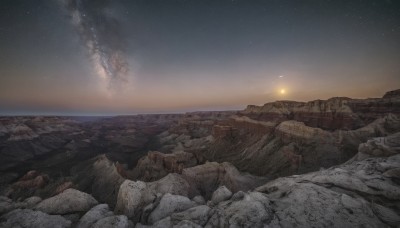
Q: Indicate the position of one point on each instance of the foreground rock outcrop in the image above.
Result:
(67, 202)
(33, 219)
(133, 196)
(362, 193)
(71, 208)
(351, 195)
(100, 177)
(168, 205)
(93, 215)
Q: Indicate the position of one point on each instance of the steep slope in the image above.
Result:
(282, 138)
(293, 147)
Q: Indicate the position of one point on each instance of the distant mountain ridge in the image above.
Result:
(335, 113)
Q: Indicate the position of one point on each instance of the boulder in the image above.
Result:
(199, 215)
(106, 180)
(172, 183)
(206, 178)
(163, 223)
(116, 221)
(69, 201)
(32, 219)
(7, 205)
(187, 224)
(199, 200)
(253, 210)
(100, 177)
(74, 218)
(32, 201)
(221, 194)
(132, 197)
(157, 165)
(93, 215)
(168, 205)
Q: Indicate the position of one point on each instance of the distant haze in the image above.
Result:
(105, 57)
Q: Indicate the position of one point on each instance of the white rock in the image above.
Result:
(116, 221)
(198, 215)
(170, 204)
(172, 183)
(69, 201)
(32, 201)
(386, 214)
(199, 200)
(163, 223)
(33, 219)
(253, 210)
(93, 215)
(132, 197)
(221, 194)
(187, 224)
(7, 205)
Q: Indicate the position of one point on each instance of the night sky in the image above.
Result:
(86, 57)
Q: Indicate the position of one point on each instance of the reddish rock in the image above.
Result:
(63, 186)
(224, 132)
(332, 114)
(29, 175)
(157, 165)
(32, 179)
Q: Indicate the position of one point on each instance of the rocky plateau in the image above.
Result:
(323, 163)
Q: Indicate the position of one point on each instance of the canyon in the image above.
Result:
(323, 163)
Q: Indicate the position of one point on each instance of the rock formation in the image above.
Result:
(358, 193)
(67, 202)
(291, 147)
(157, 165)
(332, 114)
(34, 219)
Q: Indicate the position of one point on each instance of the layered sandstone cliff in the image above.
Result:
(332, 114)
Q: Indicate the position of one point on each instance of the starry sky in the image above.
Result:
(106, 57)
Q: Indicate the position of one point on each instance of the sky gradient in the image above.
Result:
(156, 56)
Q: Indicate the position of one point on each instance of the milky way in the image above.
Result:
(101, 35)
(72, 56)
